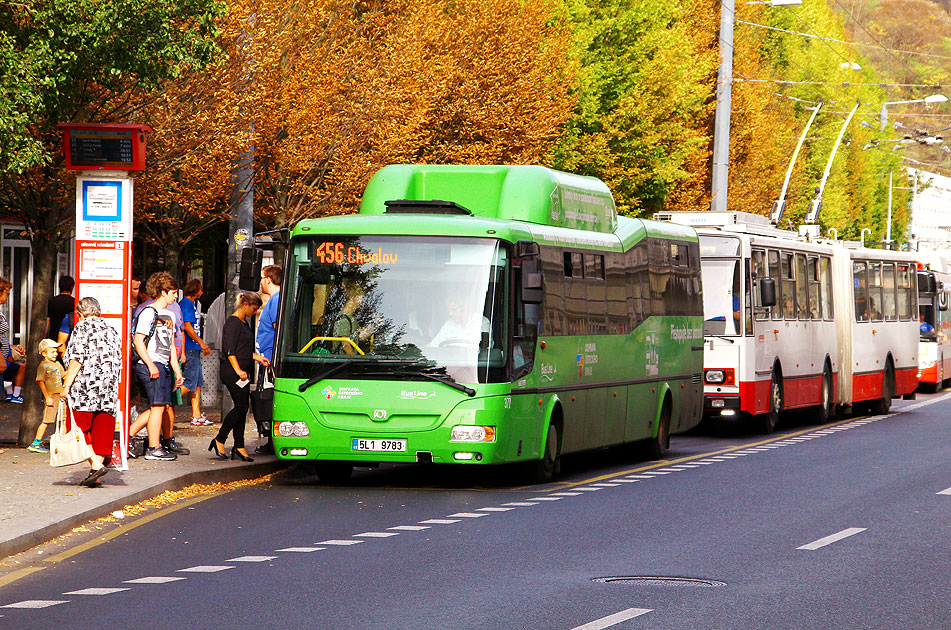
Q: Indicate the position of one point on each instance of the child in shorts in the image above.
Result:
(49, 377)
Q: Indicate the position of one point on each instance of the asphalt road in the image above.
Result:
(841, 526)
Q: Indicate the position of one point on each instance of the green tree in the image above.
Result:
(78, 60)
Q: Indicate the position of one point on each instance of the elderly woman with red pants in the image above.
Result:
(93, 362)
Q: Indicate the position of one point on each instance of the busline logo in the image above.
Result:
(379, 414)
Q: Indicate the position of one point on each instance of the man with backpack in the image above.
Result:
(155, 361)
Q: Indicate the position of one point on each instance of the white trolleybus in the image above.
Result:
(934, 345)
(794, 324)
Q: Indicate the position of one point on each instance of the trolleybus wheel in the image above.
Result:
(881, 406)
(826, 404)
(542, 470)
(769, 420)
(657, 446)
(333, 472)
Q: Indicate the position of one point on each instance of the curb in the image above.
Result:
(222, 475)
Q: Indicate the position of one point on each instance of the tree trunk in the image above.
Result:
(44, 271)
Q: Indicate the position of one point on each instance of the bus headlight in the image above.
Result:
(719, 376)
(469, 433)
(293, 429)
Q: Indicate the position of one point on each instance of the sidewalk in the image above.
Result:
(39, 502)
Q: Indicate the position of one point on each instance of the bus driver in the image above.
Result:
(462, 328)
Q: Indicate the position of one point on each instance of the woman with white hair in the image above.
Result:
(93, 362)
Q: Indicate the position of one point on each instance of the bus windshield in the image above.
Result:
(721, 296)
(396, 307)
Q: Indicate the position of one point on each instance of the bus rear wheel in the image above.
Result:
(656, 447)
(542, 470)
(333, 473)
(882, 406)
(767, 422)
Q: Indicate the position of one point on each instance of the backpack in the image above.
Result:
(135, 322)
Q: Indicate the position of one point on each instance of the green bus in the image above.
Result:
(484, 315)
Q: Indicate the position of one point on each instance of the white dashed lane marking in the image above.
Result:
(828, 540)
(36, 603)
(946, 491)
(545, 499)
(97, 591)
(339, 543)
(495, 509)
(410, 528)
(520, 503)
(466, 515)
(252, 559)
(589, 489)
(155, 579)
(378, 534)
(205, 568)
(566, 494)
(613, 620)
(301, 549)
(439, 521)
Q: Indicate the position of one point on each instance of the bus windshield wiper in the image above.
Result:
(356, 361)
(445, 379)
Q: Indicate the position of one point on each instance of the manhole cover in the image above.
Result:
(658, 580)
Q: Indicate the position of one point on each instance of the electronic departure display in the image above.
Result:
(104, 147)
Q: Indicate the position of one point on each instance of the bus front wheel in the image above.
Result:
(542, 470)
(769, 420)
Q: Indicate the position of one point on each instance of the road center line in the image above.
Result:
(828, 540)
(613, 620)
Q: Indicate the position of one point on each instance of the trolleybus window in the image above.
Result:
(384, 303)
(802, 286)
(789, 285)
(906, 288)
(721, 309)
(888, 291)
(773, 259)
(860, 290)
(875, 291)
(815, 296)
(825, 274)
(760, 312)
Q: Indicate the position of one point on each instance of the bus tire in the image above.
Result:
(767, 421)
(882, 406)
(826, 407)
(333, 473)
(656, 447)
(542, 470)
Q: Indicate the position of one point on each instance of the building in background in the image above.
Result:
(930, 224)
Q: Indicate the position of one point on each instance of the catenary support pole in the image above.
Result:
(721, 124)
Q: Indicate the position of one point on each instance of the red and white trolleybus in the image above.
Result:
(797, 324)
(934, 346)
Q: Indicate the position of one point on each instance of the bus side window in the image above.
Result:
(888, 291)
(906, 292)
(772, 257)
(815, 296)
(789, 285)
(759, 272)
(860, 290)
(553, 323)
(615, 276)
(825, 279)
(802, 286)
(875, 291)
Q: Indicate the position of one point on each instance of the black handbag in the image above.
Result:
(262, 401)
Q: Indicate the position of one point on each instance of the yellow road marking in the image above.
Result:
(95, 542)
(664, 463)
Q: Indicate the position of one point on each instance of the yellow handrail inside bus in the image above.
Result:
(340, 339)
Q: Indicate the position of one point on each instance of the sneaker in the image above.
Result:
(15, 399)
(160, 453)
(173, 446)
(37, 447)
(201, 421)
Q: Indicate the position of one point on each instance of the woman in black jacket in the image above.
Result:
(237, 360)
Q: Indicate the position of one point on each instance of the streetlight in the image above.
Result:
(934, 98)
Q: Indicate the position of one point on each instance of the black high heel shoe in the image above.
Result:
(236, 455)
(218, 454)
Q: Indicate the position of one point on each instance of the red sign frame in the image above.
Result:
(134, 134)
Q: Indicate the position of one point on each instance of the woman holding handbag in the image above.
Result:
(93, 362)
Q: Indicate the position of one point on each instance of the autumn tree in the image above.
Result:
(62, 61)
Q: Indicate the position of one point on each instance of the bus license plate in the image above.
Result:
(380, 446)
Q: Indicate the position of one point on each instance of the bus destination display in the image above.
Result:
(338, 253)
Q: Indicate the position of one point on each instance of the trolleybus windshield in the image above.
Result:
(721, 285)
(395, 307)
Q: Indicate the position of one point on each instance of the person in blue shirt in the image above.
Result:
(927, 330)
(267, 327)
(194, 348)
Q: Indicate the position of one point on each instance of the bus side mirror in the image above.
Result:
(943, 301)
(249, 271)
(767, 292)
(531, 281)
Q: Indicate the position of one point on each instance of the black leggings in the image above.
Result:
(236, 418)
